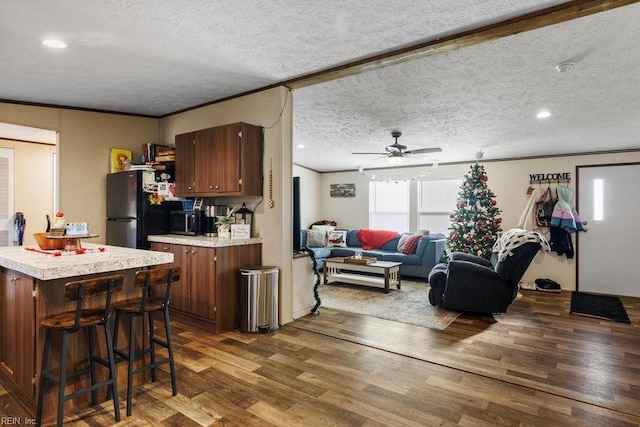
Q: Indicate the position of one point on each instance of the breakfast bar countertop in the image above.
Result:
(204, 241)
(96, 259)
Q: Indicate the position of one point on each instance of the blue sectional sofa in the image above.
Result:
(419, 264)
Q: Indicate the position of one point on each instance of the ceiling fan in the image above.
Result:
(396, 153)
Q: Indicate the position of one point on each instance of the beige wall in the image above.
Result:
(273, 225)
(33, 183)
(509, 180)
(309, 192)
(84, 142)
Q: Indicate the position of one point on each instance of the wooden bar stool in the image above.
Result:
(71, 322)
(138, 307)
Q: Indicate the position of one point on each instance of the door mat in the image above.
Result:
(407, 305)
(600, 306)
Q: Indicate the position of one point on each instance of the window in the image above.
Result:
(389, 205)
(436, 200)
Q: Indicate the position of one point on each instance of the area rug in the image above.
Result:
(600, 306)
(410, 304)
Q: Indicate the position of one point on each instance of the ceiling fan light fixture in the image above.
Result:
(565, 66)
(395, 160)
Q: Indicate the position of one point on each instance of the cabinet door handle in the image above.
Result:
(211, 187)
(193, 252)
(186, 251)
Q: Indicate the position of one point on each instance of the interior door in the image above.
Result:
(607, 251)
(6, 196)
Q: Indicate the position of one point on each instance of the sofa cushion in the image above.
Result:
(401, 240)
(316, 239)
(411, 244)
(321, 253)
(425, 240)
(325, 228)
(352, 239)
(376, 253)
(404, 259)
(337, 238)
(391, 245)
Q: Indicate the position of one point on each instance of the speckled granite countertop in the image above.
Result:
(209, 242)
(49, 267)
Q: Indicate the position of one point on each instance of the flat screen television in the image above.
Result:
(297, 244)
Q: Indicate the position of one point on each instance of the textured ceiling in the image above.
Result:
(485, 98)
(155, 58)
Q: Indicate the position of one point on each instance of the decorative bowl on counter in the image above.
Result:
(46, 243)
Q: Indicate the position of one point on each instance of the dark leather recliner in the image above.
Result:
(474, 284)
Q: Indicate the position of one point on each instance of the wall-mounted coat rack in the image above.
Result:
(549, 181)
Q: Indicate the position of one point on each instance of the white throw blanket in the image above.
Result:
(516, 237)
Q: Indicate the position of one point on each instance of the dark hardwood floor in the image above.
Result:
(537, 365)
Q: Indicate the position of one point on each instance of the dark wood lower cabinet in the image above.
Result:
(24, 302)
(209, 289)
(17, 333)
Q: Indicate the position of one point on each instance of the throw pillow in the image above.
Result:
(402, 241)
(316, 238)
(337, 238)
(324, 228)
(411, 244)
(422, 232)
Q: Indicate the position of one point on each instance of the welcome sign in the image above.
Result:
(555, 176)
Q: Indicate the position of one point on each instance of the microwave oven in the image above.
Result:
(187, 222)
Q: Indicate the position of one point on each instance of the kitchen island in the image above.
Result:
(32, 288)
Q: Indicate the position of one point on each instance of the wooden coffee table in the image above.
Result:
(386, 273)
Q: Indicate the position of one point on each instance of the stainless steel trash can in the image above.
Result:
(259, 299)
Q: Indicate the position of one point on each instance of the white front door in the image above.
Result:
(608, 250)
(6, 197)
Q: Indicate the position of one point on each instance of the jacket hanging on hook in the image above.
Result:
(564, 215)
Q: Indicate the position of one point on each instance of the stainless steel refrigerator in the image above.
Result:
(131, 217)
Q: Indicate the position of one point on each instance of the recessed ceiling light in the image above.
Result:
(543, 114)
(58, 44)
(300, 146)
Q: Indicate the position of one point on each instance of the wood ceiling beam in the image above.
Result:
(530, 21)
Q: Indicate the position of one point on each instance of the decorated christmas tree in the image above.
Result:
(475, 223)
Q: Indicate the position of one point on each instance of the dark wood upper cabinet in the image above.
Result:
(220, 161)
(185, 160)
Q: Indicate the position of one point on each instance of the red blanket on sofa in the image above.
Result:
(372, 239)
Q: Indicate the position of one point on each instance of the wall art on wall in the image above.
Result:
(342, 190)
(119, 157)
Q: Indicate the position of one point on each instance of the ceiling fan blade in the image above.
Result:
(379, 154)
(424, 150)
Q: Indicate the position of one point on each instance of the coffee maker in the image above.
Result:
(211, 213)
